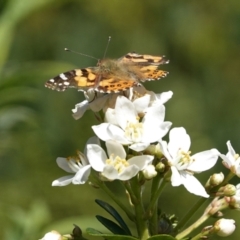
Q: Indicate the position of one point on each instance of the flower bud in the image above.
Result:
(224, 227)
(53, 235)
(215, 180)
(154, 150)
(149, 172)
(160, 167)
(228, 190)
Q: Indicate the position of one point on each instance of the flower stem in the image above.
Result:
(195, 225)
(154, 198)
(141, 224)
(153, 213)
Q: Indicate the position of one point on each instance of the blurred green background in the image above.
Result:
(202, 41)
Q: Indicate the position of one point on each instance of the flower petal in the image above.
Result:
(63, 181)
(82, 175)
(125, 112)
(204, 160)
(63, 164)
(128, 173)
(193, 185)
(110, 172)
(178, 139)
(139, 146)
(141, 103)
(140, 161)
(115, 148)
(96, 157)
(80, 109)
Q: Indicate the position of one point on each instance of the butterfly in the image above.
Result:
(112, 75)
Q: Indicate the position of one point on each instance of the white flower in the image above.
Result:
(53, 235)
(231, 160)
(225, 227)
(183, 165)
(115, 166)
(125, 127)
(78, 165)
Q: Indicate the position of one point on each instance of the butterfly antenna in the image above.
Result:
(109, 39)
(68, 50)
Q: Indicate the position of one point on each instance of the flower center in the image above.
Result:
(134, 131)
(118, 163)
(184, 157)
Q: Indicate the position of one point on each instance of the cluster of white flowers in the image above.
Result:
(132, 130)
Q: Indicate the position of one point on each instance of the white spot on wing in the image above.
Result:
(63, 77)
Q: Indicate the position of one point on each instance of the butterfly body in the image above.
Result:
(111, 75)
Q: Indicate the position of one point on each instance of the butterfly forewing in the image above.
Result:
(144, 59)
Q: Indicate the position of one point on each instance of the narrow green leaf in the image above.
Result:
(111, 226)
(96, 233)
(162, 237)
(113, 212)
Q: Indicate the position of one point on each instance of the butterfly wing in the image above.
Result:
(144, 59)
(147, 64)
(115, 84)
(82, 79)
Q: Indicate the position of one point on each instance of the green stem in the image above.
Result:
(141, 224)
(113, 196)
(190, 213)
(193, 226)
(227, 178)
(154, 199)
(153, 214)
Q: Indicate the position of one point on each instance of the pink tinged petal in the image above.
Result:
(231, 151)
(139, 146)
(110, 172)
(176, 177)
(204, 160)
(141, 103)
(96, 157)
(63, 164)
(141, 161)
(125, 112)
(128, 173)
(63, 181)
(82, 175)
(80, 109)
(178, 139)
(116, 149)
(193, 185)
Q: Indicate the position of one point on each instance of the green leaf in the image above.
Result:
(96, 233)
(111, 226)
(112, 211)
(161, 237)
